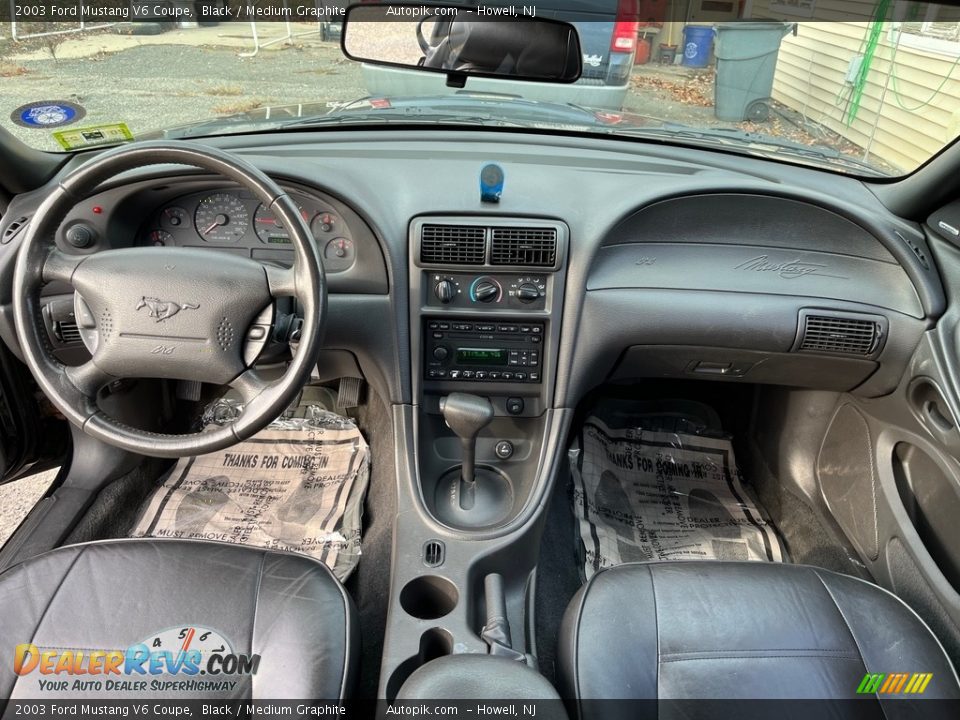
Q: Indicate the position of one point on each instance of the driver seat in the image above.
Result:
(164, 596)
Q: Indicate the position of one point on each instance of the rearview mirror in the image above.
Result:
(462, 42)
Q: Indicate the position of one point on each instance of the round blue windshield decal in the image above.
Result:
(47, 114)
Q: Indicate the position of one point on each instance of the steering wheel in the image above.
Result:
(167, 312)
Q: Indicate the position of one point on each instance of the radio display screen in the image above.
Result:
(481, 356)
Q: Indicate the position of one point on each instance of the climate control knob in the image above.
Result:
(485, 290)
(445, 291)
(527, 292)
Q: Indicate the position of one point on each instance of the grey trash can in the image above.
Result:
(746, 54)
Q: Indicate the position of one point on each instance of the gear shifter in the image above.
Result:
(467, 415)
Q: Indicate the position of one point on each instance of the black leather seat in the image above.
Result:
(730, 630)
(112, 595)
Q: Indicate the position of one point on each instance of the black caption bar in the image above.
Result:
(84, 709)
(198, 11)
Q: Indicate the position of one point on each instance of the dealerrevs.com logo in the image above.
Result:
(171, 660)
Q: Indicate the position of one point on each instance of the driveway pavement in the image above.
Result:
(18, 497)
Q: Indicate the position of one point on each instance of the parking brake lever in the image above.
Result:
(496, 630)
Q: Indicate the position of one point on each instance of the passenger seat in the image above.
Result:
(741, 630)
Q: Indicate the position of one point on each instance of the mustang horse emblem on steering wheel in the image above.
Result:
(163, 309)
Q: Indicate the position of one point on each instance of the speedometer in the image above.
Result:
(221, 218)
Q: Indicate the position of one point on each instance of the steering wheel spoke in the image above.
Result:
(250, 384)
(281, 281)
(60, 267)
(87, 378)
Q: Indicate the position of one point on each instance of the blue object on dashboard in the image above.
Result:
(491, 183)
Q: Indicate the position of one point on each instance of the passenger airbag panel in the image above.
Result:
(755, 269)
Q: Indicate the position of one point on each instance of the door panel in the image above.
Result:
(899, 503)
(32, 439)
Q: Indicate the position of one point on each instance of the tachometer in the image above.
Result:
(271, 230)
(221, 218)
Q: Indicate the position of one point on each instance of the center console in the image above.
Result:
(477, 451)
(486, 297)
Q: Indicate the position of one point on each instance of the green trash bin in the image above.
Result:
(746, 54)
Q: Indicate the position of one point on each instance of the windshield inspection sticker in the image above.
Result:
(47, 114)
(94, 135)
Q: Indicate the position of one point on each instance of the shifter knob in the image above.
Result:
(466, 415)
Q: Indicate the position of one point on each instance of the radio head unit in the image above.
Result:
(486, 350)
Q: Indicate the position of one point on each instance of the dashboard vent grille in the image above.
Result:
(14, 228)
(842, 335)
(67, 332)
(523, 246)
(453, 244)
(433, 553)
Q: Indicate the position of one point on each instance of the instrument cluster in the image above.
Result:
(235, 218)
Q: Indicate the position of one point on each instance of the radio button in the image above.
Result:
(462, 326)
(535, 339)
(534, 377)
(454, 374)
(494, 374)
(508, 328)
(440, 352)
(521, 376)
(508, 376)
(481, 375)
(486, 328)
(467, 374)
(536, 329)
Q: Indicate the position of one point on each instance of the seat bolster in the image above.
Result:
(881, 625)
(608, 644)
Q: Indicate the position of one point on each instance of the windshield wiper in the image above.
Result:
(753, 143)
(405, 115)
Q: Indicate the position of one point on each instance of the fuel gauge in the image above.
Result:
(338, 254)
(174, 217)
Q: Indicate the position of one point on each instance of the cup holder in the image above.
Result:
(429, 597)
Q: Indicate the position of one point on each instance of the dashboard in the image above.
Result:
(670, 262)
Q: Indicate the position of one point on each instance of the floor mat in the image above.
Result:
(660, 486)
(298, 485)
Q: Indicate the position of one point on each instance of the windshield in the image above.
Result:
(873, 90)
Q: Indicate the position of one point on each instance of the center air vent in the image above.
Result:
(840, 333)
(523, 246)
(453, 244)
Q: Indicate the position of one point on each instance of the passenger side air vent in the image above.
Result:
(453, 244)
(523, 246)
(840, 333)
